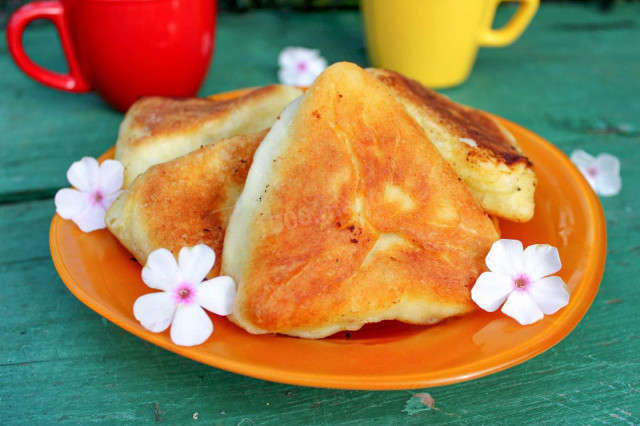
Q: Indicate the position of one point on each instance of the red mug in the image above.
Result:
(123, 49)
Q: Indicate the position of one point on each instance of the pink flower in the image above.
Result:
(184, 294)
(300, 66)
(97, 188)
(602, 172)
(519, 279)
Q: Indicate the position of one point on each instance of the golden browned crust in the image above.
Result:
(458, 119)
(164, 116)
(184, 202)
(160, 115)
(484, 154)
(159, 129)
(349, 215)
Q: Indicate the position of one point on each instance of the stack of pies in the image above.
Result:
(367, 198)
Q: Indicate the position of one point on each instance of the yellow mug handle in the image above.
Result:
(513, 29)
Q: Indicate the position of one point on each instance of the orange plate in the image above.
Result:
(390, 355)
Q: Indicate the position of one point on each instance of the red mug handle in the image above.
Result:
(54, 11)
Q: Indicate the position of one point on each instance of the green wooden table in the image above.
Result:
(573, 78)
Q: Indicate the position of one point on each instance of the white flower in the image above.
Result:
(97, 188)
(521, 278)
(300, 66)
(602, 172)
(183, 295)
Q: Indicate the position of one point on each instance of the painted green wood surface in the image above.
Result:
(574, 78)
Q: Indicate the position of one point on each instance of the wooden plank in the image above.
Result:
(42, 130)
(571, 78)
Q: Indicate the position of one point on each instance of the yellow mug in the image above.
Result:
(436, 41)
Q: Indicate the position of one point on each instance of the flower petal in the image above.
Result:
(585, 162)
(521, 306)
(108, 199)
(295, 78)
(300, 66)
(196, 262)
(84, 174)
(289, 77)
(582, 159)
(71, 202)
(591, 180)
(316, 65)
(491, 290)
(191, 326)
(505, 257)
(111, 177)
(161, 271)
(608, 181)
(550, 294)
(91, 218)
(290, 56)
(217, 295)
(155, 311)
(607, 162)
(541, 260)
(602, 172)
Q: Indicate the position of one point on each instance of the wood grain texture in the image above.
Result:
(572, 78)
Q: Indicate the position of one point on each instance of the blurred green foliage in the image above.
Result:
(244, 5)
(309, 5)
(7, 7)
